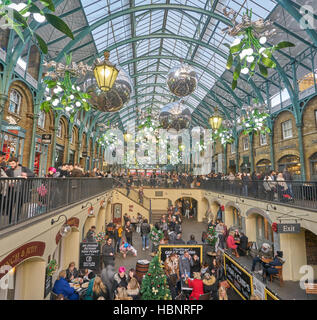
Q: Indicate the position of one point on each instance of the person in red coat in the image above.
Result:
(231, 244)
(197, 285)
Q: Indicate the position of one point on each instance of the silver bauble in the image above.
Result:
(175, 116)
(182, 80)
(114, 99)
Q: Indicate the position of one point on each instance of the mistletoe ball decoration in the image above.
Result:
(256, 122)
(249, 49)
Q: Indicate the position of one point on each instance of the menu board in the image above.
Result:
(238, 278)
(89, 256)
(166, 250)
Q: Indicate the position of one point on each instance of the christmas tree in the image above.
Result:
(212, 236)
(154, 284)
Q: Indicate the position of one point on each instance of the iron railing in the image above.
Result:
(295, 193)
(22, 199)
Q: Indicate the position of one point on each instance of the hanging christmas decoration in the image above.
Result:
(154, 284)
(225, 135)
(16, 16)
(248, 49)
(64, 95)
(175, 116)
(114, 99)
(182, 80)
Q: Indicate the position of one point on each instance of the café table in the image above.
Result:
(80, 288)
(186, 289)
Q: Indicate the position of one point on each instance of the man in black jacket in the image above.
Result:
(90, 236)
(108, 253)
(145, 231)
(19, 191)
(243, 245)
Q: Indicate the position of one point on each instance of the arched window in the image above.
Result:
(59, 132)
(73, 137)
(313, 166)
(15, 101)
(41, 120)
(291, 163)
(263, 166)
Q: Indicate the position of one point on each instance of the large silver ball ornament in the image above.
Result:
(114, 99)
(175, 116)
(182, 80)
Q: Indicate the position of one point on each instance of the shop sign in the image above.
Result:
(89, 257)
(165, 251)
(73, 222)
(31, 249)
(293, 146)
(238, 278)
(12, 128)
(288, 228)
(46, 138)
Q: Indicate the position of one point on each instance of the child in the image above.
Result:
(125, 248)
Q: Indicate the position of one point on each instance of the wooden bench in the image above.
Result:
(311, 288)
(278, 275)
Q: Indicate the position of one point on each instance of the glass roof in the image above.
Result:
(148, 41)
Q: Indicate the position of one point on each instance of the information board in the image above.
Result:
(89, 256)
(166, 250)
(238, 277)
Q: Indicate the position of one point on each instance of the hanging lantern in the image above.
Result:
(182, 80)
(215, 120)
(127, 137)
(114, 99)
(105, 73)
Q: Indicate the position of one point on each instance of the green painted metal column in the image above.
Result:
(301, 150)
(225, 159)
(32, 148)
(272, 156)
(56, 122)
(3, 101)
(251, 136)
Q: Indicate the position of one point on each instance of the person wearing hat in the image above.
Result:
(270, 268)
(264, 252)
(51, 172)
(210, 285)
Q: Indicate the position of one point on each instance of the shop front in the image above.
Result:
(59, 156)
(72, 156)
(263, 166)
(40, 158)
(12, 140)
(292, 164)
(313, 167)
(246, 165)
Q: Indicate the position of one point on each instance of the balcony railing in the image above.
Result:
(22, 199)
(301, 194)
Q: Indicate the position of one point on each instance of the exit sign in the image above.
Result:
(288, 228)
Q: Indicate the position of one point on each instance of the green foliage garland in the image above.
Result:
(65, 95)
(249, 52)
(16, 18)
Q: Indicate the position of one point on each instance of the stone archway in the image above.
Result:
(233, 216)
(29, 279)
(70, 248)
(195, 210)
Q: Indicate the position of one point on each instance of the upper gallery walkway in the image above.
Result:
(23, 199)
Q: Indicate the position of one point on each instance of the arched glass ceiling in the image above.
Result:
(183, 23)
(147, 38)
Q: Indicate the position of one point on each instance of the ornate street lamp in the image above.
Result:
(105, 73)
(215, 120)
(65, 229)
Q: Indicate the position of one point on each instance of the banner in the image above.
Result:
(166, 250)
(238, 277)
